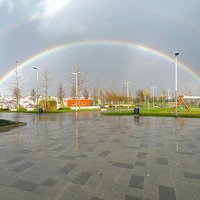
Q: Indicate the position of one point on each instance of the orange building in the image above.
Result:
(81, 102)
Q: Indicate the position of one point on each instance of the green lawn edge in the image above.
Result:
(155, 113)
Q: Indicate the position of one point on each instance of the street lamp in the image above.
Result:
(153, 95)
(35, 68)
(127, 90)
(176, 63)
(76, 74)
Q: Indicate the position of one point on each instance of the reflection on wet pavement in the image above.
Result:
(91, 156)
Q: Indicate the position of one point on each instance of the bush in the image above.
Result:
(21, 109)
(4, 122)
(48, 105)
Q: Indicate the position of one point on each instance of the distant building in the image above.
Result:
(81, 102)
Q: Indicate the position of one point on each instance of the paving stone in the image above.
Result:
(23, 167)
(68, 168)
(104, 153)
(123, 165)
(128, 197)
(162, 161)
(136, 182)
(191, 175)
(82, 178)
(166, 193)
(184, 153)
(142, 164)
(24, 185)
(50, 182)
(24, 151)
(141, 155)
(91, 149)
(67, 157)
(15, 160)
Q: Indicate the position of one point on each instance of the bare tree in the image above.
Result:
(33, 94)
(85, 94)
(95, 93)
(61, 93)
(17, 88)
(73, 91)
(47, 83)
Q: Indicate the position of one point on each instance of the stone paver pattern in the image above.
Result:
(89, 156)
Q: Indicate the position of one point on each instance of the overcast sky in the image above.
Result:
(112, 33)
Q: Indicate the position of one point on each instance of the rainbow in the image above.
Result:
(58, 48)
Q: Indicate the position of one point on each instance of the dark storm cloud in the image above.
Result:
(30, 27)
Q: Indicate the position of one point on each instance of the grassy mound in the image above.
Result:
(4, 122)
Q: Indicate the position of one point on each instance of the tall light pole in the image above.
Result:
(176, 64)
(153, 88)
(127, 90)
(35, 68)
(76, 74)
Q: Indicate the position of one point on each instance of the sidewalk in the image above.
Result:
(86, 156)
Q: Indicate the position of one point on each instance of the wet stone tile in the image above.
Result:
(67, 157)
(58, 148)
(95, 198)
(162, 161)
(52, 144)
(143, 145)
(104, 153)
(83, 155)
(136, 182)
(24, 185)
(101, 141)
(88, 143)
(130, 147)
(116, 141)
(50, 182)
(91, 149)
(195, 151)
(141, 155)
(158, 135)
(142, 164)
(83, 178)
(136, 137)
(166, 193)
(23, 167)
(15, 160)
(25, 151)
(159, 145)
(184, 153)
(68, 168)
(128, 197)
(122, 165)
(193, 146)
(191, 175)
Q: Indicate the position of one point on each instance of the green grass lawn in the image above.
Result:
(4, 122)
(162, 112)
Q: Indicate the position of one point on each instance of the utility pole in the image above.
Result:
(76, 75)
(176, 66)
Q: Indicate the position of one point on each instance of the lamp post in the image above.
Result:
(76, 75)
(127, 90)
(35, 68)
(153, 88)
(176, 64)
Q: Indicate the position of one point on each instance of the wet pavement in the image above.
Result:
(86, 156)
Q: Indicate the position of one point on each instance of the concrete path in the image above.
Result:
(86, 156)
